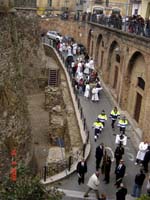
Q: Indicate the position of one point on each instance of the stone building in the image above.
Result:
(145, 11)
(122, 60)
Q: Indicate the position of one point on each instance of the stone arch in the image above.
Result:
(135, 84)
(113, 67)
(98, 42)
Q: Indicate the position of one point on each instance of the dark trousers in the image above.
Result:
(113, 123)
(98, 161)
(122, 130)
(81, 178)
(107, 177)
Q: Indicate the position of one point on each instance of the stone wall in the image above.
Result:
(19, 70)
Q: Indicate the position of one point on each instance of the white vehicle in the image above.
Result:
(54, 35)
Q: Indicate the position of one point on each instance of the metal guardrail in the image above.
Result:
(71, 158)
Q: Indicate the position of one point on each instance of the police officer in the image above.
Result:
(123, 122)
(98, 126)
(114, 115)
(102, 117)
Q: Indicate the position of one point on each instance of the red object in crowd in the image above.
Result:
(13, 163)
(13, 152)
(13, 174)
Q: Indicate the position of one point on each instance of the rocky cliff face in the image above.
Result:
(19, 44)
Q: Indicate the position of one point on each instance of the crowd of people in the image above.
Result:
(132, 24)
(87, 83)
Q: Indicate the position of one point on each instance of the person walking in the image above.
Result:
(123, 122)
(146, 159)
(107, 170)
(138, 183)
(120, 172)
(114, 116)
(93, 184)
(99, 155)
(121, 192)
(143, 146)
(119, 152)
(102, 117)
(98, 126)
(87, 90)
(81, 170)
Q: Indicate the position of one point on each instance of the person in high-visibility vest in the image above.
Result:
(123, 122)
(98, 126)
(114, 115)
(102, 117)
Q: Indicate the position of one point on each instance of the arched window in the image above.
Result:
(141, 83)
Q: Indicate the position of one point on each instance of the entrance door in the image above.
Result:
(115, 77)
(137, 107)
(102, 56)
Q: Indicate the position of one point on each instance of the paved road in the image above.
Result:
(70, 184)
(91, 110)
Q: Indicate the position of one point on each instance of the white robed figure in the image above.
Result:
(142, 150)
(87, 91)
(95, 94)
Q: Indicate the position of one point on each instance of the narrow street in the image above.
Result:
(70, 185)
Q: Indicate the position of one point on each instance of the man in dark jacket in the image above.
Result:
(98, 155)
(81, 170)
(121, 192)
(139, 180)
(146, 160)
(119, 151)
(120, 172)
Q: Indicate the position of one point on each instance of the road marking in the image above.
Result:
(130, 156)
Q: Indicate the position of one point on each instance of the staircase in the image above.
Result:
(53, 77)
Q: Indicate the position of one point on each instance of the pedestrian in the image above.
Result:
(107, 170)
(99, 155)
(87, 90)
(119, 152)
(120, 172)
(93, 184)
(81, 170)
(123, 122)
(138, 183)
(98, 126)
(146, 159)
(102, 117)
(143, 146)
(148, 186)
(121, 192)
(114, 116)
(95, 97)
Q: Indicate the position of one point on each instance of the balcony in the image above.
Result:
(98, 1)
(136, 1)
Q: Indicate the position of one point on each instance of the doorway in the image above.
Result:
(137, 107)
(115, 77)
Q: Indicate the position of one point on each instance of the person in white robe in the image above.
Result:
(143, 146)
(87, 91)
(95, 94)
